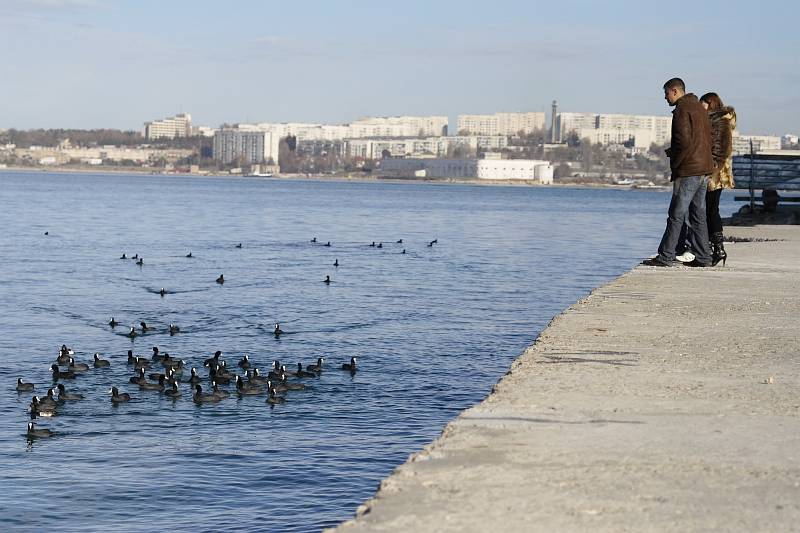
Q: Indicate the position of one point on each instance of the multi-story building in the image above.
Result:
(433, 126)
(659, 126)
(245, 144)
(501, 123)
(169, 128)
(741, 143)
(491, 169)
(322, 147)
(422, 147)
(640, 138)
(569, 122)
(99, 154)
(203, 131)
(629, 127)
(389, 127)
(789, 140)
(306, 131)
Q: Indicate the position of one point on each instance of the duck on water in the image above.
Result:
(119, 397)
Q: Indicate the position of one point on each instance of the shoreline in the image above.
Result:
(664, 400)
(339, 178)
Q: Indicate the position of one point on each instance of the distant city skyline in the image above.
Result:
(117, 64)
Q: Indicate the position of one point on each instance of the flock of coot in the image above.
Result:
(164, 374)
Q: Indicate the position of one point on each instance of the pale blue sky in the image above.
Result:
(118, 63)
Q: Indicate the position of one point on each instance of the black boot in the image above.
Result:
(718, 249)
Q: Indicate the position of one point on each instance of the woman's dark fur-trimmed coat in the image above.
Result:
(723, 122)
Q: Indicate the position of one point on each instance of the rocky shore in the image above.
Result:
(667, 400)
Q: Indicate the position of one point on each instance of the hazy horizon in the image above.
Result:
(116, 64)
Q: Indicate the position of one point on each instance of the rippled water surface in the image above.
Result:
(433, 330)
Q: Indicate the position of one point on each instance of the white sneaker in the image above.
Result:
(685, 257)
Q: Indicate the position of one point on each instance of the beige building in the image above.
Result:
(659, 126)
(646, 128)
(169, 128)
(501, 123)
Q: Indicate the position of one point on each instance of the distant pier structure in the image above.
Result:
(554, 112)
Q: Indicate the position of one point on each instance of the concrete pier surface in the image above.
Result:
(667, 400)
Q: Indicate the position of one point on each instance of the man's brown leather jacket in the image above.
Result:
(690, 150)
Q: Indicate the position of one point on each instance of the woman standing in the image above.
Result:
(723, 122)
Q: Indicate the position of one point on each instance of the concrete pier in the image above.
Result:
(667, 400)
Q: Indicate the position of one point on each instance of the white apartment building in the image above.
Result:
(501, 123)
(741, 143)
(568, 122)
(421, 147)
(659, 126)
(629, 127)
(250, 144)
(203, 131)
(306, 131)
(169, 128)
(789, 140)
(638, 138)
(433, 126)
(387, 127)
(490, 169)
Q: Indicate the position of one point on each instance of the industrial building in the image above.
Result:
(489, 169)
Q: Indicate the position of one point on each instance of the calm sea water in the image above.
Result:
(433, 330)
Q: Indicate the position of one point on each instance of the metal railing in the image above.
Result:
(775, 172)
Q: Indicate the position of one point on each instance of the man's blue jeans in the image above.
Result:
(688, 195)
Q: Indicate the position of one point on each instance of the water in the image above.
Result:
(433, 330)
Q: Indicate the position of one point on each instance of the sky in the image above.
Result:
(119, 63)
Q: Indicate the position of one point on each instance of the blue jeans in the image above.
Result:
(688, 196)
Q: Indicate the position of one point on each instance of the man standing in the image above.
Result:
(691, 163)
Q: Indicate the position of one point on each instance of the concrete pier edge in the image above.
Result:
(665, 400)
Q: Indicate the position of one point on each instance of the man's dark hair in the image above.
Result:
(675, 83)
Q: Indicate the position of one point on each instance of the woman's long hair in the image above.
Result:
(713, 100)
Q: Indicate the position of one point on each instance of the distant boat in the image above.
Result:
(650, 185)
(260, 175)
(626, 181)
